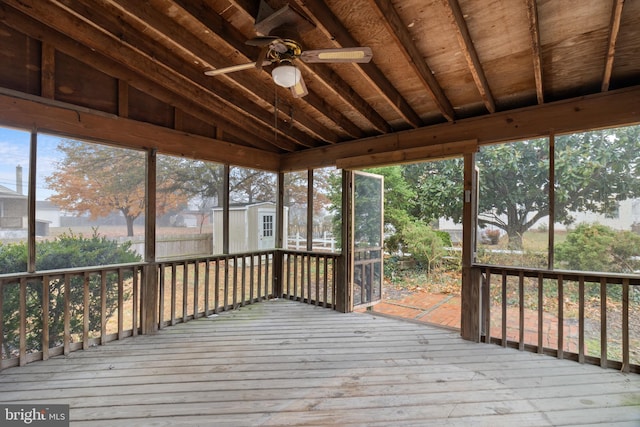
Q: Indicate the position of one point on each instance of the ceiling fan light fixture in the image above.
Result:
(286, 75)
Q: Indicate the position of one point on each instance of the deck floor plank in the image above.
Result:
(285, 363)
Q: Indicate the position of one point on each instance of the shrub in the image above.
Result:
(424, 244)
(596, 247)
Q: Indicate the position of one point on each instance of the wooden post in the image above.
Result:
(342, 301)
(278, 266)
(470, 316)
(149, 294)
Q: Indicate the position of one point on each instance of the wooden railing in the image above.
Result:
(309, 277)
(57, 312)
(571, 315)
(200, 287)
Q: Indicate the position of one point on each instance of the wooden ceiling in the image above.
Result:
(434, 62)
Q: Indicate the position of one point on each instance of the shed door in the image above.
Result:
(266, 230)
(367, 226)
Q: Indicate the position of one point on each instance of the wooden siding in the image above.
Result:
(285, 363)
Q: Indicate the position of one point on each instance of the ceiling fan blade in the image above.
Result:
(233, 68)
(262, 41)
(299, 89)
(347, 54)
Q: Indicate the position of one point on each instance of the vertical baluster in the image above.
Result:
(185, 291)
(267, 289)
(135, 311)
(309, 276)
(540, 313)
(207, 284)
(560, 317)
(521, 310)
(174, 293)
(226, 283)
(324, 281)
(317, 264)
(103, 307)
(45, 317)
(161, 289)
(486, 306)
(603, 322)
(243, 292)
(216, 296)
(85, 311)
(295, 276)
(235, 281)
(2, 285)
(504, 308)
(67, 315)
(625, 325)
(581, 319)
(251, 278)
(196, 288)
(260, 278)
(120, 305)
(302, 277)
(23, 321)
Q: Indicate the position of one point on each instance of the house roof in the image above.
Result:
(437, 65)
(6, 193)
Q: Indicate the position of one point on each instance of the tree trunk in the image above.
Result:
(130, 220)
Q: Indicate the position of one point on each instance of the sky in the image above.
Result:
(14, 151)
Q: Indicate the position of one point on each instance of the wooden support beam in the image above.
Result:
(410, 155)
(471, 277)
(22, 111)
(404, 40)
(149, 297)
(534, 33)
(470, 53)
(608, 109)
(614, 27)
(342, 36)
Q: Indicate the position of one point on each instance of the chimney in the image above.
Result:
(19, 179)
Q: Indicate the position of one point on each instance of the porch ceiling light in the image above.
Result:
(286, 75)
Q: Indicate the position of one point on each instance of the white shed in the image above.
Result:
(251, 227)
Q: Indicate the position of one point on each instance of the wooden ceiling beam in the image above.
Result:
(536, 54)
(332, 25)
(78, 20)
(404, 40)
(29, 112)
(226, 33)
(604, 109)
(470, 53)
(614, 27)
(20, 22)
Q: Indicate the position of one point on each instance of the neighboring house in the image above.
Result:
(251, 227)
(13, 209)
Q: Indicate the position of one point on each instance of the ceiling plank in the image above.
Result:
(614, 27)
(325, 17)
(404, 40)
(229, 35)
(20, 22)
(572, 115)
(196, 87)
(536, 54)
(470, 53)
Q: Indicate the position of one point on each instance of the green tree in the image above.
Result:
(594, 172)
(66, 251)
(424, 244)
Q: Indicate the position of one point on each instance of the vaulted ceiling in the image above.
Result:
(434, 61)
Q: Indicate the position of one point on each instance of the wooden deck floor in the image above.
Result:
(286, 363)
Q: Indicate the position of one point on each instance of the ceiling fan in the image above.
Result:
(283, 50)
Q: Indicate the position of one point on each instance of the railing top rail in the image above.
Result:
(314, 253)
(588, 276)
(72, 270)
